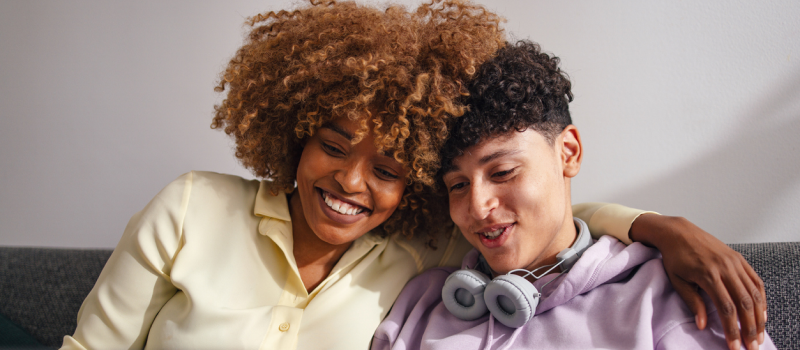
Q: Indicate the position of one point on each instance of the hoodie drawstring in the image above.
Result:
(490, 336)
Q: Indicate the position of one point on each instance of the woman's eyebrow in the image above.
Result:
(339, 130)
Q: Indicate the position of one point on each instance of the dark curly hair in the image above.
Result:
(520, 88)
(405, 72)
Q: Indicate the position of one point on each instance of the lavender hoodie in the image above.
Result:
(615, 297)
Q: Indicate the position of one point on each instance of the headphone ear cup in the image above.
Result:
(512, 300)
(462, 294)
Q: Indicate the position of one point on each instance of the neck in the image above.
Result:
(566, 237)
(315, 258)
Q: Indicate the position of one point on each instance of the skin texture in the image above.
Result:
(355, 173)
(518, 182)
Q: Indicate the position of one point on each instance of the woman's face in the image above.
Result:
(346, 190)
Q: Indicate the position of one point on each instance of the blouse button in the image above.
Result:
(283, 327)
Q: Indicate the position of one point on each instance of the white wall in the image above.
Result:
(687, 108)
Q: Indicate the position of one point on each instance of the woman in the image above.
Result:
(351, 103)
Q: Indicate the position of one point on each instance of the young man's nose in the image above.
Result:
(481, 202)
(352, 178)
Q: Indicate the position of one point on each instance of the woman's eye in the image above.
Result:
(458, 186)
(332, 149)
(386, 173)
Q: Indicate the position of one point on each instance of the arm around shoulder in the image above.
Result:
(135, 282)
(608, 219)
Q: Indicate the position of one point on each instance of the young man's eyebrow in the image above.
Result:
(339, 130)
(485, 159)
(498, 154)
(450, 169)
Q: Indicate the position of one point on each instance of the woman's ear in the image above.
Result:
(571, 150)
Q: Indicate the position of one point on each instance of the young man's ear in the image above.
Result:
(571, 150)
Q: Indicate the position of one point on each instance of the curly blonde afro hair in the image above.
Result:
(402, 75)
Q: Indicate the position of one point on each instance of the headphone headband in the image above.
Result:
(569, 256)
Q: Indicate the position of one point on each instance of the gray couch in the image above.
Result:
(41, 289)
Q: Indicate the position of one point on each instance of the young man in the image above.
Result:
(507, 170)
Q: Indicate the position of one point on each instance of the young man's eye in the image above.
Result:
(387, 174)
(503, 174)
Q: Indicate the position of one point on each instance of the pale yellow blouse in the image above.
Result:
(208, 264)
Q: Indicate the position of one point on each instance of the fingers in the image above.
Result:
(755, 288)
(726, 311)
(694, 258)
(759, 295)
(739, 298)
(692, 298)
(740, 288)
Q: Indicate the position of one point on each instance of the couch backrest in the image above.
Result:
(778, 264)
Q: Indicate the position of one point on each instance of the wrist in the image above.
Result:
(652, 229)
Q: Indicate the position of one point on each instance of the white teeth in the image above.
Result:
(339, 206)
(495, 233)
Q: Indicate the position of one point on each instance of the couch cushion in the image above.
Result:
(42, 289)
(13, 337)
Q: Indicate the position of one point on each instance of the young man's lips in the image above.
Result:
(498, 240)
(493, 228)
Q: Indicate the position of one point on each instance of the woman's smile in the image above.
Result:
(345, 189)
(341, 206)
(341, 211)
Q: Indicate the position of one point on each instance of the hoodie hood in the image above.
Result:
(606, 261)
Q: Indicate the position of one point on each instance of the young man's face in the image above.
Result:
(510, 197)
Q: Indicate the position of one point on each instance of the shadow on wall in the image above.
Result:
(730, 190)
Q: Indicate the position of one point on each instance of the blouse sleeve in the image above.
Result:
(608, 219)
(135, 282)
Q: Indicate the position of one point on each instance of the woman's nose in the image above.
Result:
(352, 178)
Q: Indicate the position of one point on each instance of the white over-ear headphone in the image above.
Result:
(510, 298)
